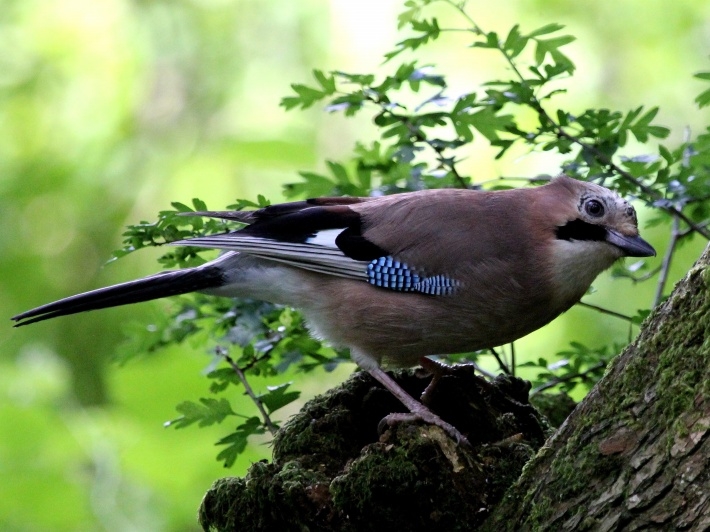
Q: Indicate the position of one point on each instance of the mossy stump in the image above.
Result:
(333, 470)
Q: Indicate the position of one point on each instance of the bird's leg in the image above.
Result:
(417, 409)
(438, 370)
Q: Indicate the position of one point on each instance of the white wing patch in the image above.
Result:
(313, 257)
(325, 237)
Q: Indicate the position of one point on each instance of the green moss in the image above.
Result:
(332, 470)
(269, 498)
(554, 406)
(414, 485)
(331, 429)
(539, 510)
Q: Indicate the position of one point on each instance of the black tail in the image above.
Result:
(164, 284)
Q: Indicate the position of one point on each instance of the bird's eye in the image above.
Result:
(594, 208)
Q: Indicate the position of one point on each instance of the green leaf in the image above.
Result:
(491, 41)
(660, 132)
(339, 172)
(207, 412)
(630, 117)
(180, 207)
(350, 103)
(703, 99)
(640, 316)
(648, 117)
(277, 397)
(306, 96)
(666, 154)
(642, 128)
(237, 441)
(514, 42)
(429, 30)
(544, 30)
(326, 82)
(314, 185)
(242, 204)
(488, 123)
(551, 47)
(357, 79)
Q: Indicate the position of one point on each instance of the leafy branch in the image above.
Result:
(422, 134)
(594, 138)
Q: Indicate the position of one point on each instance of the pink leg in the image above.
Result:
(417, 409)
(439, 369)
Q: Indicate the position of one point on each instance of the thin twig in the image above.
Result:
(639, 279)
(559, 380)
(242, 377)
(690, 231)
(512, 358)
(606, 311)
(666, 264)
(502, 364)
(482, 371)
(418, 134)
(460, 8)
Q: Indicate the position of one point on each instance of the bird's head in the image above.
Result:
(601, 216)
(593, 227)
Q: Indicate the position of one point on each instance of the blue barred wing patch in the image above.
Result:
(386, 272)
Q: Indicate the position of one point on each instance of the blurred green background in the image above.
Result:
(111, 109)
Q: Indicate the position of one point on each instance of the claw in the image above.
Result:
(438, 370)
(391, 420)
(417, 410)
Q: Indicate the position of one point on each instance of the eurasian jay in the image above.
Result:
(396, 278)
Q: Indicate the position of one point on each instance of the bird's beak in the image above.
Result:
(632, 246)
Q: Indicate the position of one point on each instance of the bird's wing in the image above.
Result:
(314, 257)
(320, 235)
(325, 236)
(279, 210)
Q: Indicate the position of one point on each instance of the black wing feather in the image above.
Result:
(163, 284)
(299, 221)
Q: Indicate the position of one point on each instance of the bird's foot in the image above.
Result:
(438, 370)
(427, 416)
(417, 410)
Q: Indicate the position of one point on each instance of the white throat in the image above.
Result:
(577, 263)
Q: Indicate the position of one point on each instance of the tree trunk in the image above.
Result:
(634, 454)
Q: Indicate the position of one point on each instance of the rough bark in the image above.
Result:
(634, 455)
